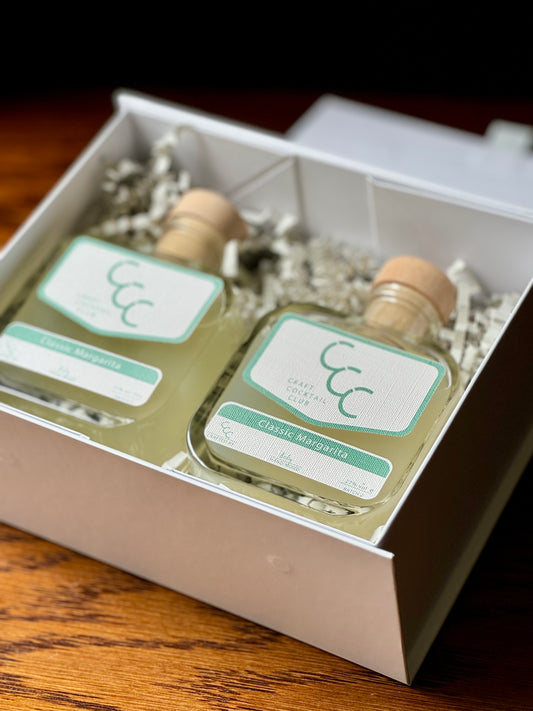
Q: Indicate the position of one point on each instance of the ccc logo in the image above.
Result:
(126, 294)
(226, 429)
(342, 382)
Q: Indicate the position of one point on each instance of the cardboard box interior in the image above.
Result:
(380, 606)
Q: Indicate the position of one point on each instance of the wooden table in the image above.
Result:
(77, 634)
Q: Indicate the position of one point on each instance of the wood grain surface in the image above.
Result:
(77, 634)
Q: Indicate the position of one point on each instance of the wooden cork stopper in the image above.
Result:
(213, 208)
(199, 226)
(425, 278)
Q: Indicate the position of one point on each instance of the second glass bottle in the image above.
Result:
(330, 416)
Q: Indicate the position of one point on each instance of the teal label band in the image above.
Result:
(293, 448)
(260, 422)
(75, 349)
(80, 364)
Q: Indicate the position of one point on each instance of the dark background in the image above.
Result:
(374, 51)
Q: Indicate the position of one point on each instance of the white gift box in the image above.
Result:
(379, 605)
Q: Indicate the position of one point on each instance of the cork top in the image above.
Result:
(425, 278)
(199, 226)
(211, 207)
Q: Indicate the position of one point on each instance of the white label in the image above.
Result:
(336, 379)
(79, 364)
(117, 292)
(297, 449)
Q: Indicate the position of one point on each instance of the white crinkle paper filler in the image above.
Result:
(137, 195)
(278, 264)
(478, 319)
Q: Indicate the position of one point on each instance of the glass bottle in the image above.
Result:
(329, 416)
(120, 346)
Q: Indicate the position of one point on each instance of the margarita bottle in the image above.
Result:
(330, 416)
(120, 346)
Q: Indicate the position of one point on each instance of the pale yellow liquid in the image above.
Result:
(154, 431)
(304, 495)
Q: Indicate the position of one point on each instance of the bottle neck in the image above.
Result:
(189, 240)
(402, 309)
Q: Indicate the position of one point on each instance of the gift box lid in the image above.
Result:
(495, 168)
